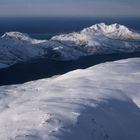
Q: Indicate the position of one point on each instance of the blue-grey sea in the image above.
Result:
(45, 27)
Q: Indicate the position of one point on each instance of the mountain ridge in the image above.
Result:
(98, 39)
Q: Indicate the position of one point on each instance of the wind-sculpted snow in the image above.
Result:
(100, 103)
(98, 39)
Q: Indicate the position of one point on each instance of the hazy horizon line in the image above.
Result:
(69, 16)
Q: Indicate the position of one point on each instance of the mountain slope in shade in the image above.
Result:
(3, 65)
(98, 39)
(101, 103)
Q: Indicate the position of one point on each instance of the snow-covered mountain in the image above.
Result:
(101, 39)
(17, 47)
(114, 31)
(97, 39)
(100, 103)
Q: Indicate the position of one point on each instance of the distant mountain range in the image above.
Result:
(98, 39)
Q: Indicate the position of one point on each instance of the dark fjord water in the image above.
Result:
(44, 68)
(45, 28)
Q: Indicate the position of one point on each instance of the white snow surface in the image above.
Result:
(98, 103)
(98, 39)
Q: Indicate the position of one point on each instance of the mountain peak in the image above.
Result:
(104, 28)
(114, 31)
(16, 35)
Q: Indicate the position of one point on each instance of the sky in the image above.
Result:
(89, 8)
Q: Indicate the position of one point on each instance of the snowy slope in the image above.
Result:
(100, 103)
(97, 39)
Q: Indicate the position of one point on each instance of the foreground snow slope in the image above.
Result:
(97, 39)
(100, 103)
